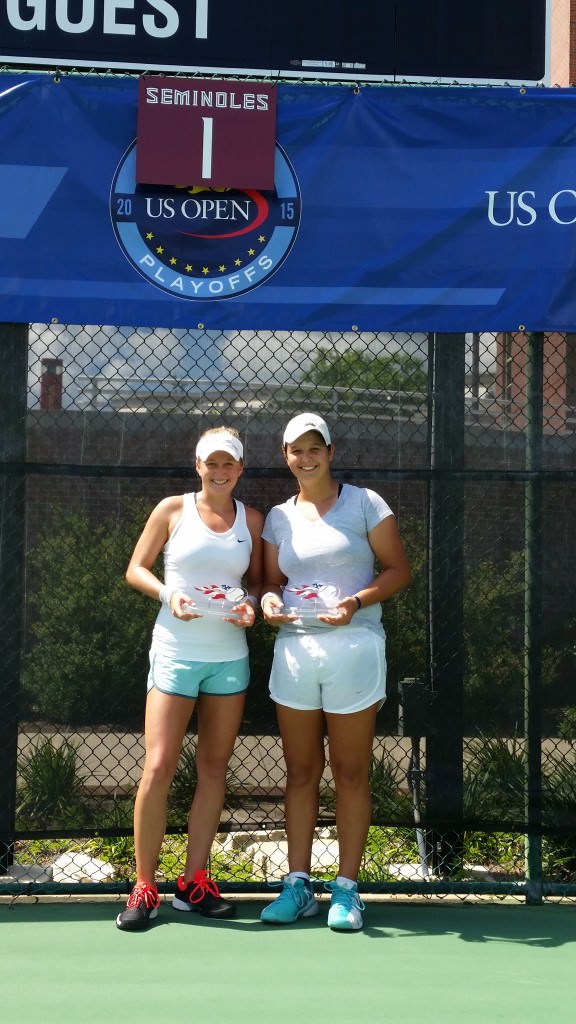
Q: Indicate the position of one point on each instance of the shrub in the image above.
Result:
(567, 727)
(389, 803)
(494, 781)
(50, 790)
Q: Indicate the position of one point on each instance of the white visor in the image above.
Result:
(219, 443)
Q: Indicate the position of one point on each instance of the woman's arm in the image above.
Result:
(386, 543)
(274, 579)
(247, 608)
(148, 546)
(254, 574)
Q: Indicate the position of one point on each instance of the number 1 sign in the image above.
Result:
(196, 132)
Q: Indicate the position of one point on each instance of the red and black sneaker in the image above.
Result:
(202, 895)
(142, 907)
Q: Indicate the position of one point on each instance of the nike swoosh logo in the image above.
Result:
(241, 540)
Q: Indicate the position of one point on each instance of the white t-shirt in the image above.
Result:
(196, 557)
(330, 556)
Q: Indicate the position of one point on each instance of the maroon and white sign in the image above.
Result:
(196, 132)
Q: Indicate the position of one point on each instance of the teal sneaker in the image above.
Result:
(345, 906)
(296, 900)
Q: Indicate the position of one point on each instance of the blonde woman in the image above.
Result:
(211, 545)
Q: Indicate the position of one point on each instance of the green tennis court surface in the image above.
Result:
(414, 963)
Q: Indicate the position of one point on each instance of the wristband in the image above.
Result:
(269, 593)
(166, 594)
(251, 600)
(357, 599)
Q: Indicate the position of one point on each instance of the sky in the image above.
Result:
(126, 357)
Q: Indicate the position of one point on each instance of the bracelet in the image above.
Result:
(269, 593)
(166, 594)
(357, 599)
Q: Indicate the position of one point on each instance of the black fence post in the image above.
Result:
(13, 386)
(533, 613)
(444, 759)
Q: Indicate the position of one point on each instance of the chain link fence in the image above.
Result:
(471, 440)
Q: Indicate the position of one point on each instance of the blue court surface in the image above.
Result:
(420, 962)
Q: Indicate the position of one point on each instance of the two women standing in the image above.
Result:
(328, 673)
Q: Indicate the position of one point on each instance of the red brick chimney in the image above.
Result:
(51, 384)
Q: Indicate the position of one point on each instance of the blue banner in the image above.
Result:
(400, 208)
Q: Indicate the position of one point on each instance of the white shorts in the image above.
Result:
(340, 671)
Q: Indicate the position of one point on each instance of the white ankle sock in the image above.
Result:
(345, 883)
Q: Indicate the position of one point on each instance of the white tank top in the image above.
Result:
(196, 557)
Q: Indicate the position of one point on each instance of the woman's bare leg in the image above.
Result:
(167, 717)
(303, 746)
(351, 739)
(219, 721)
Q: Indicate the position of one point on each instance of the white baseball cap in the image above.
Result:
(221, 442)
(305, 421)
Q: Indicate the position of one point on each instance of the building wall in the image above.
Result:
(563, 43)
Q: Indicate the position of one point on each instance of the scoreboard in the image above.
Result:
(486, 40)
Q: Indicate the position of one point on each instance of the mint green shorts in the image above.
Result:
(191, 678)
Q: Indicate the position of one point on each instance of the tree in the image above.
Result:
(89, 632)
(353, 368)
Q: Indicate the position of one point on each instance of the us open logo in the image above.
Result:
(197, 242)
